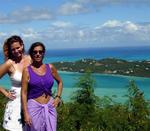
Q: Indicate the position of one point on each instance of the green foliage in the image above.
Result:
(114, 118)
(65, 119)
(87, 113)
(139, 108)
(107, 65)
(81, 113)
(83, 108)
(3, 101)
(85, 93)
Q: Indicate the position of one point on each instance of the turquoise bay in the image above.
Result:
(114, 86)
(106, 85)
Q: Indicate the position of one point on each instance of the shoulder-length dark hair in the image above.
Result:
(7, 46)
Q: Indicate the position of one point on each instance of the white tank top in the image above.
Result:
(16, 79)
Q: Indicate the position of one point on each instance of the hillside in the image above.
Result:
(108, 66)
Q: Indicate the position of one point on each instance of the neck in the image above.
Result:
(37, 64)
(18, 59)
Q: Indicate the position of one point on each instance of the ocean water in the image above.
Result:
(114, 86)
(127, 53)
(106, 85)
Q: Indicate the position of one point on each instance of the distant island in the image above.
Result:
(107, 66)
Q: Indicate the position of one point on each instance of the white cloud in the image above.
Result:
(62, 24)
(112, 23)
(71, 8)
(2, 34)
(127, 25)
(131, 27)
(88, 6)
(108, 2)
(110, 33)
(27, 14)
(29, 34)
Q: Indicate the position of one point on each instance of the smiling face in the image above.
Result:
(38, 54)
(16, 49)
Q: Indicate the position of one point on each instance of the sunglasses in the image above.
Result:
(41, 52)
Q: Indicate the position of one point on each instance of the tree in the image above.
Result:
(84, 107)
(85, 93)
(3, 101)
(138, 108)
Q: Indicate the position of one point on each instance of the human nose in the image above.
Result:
(16, 50)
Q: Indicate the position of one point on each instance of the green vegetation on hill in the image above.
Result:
(87, 112)
(108, 66)
(3, 101)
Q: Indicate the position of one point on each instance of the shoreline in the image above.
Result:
(111, 66)
(117, 95)
(105, 74)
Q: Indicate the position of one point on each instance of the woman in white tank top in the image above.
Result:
(15, 61)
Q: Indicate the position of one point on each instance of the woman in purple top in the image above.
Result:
(39, 108)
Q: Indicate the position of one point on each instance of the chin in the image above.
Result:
(19, 55)
(38, 60)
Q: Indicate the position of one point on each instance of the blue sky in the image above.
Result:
(77, 23)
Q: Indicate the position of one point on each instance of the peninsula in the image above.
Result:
(107, 66)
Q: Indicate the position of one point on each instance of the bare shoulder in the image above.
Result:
(6, 67)
(25, 75)
(25, 72)
(9, 64)
(52, 67)
(27, 58)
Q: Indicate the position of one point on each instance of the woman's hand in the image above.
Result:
(56, 102)
(27, 119)
(11, 95)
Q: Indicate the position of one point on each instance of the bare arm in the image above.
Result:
(59, 84)
(24, 89)
(3, 91)
(4, 69)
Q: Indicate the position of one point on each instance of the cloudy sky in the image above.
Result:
(77, 23)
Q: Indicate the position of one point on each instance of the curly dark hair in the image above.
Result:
(7, 46)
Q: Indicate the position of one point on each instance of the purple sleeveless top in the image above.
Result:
(39, 84)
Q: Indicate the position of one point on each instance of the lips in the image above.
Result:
(18, 54)
(38, 58)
